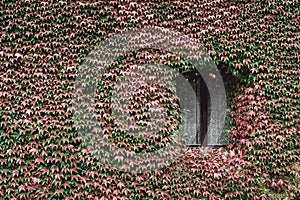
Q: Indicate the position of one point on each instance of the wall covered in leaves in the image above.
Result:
(42, 45)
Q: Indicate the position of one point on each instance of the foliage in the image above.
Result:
(42, 46)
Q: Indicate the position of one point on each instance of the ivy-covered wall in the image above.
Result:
(42, 46)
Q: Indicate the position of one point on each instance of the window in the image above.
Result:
(196, 125)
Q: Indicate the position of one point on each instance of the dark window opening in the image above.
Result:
(194, 78)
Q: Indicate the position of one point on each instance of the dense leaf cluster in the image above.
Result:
(42, 46)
